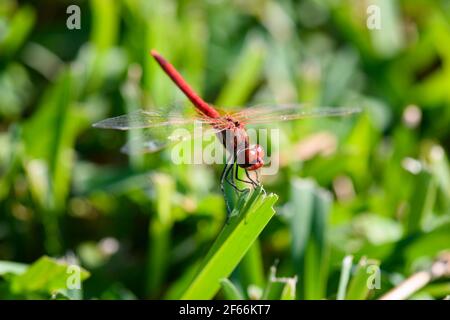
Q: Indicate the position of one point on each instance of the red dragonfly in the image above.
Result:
(229, 127)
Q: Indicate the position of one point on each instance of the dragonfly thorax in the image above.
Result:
(233, 123)
(236, 142)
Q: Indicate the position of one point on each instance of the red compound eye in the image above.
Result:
(255, 157)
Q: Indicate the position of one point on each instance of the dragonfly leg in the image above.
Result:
(253, 182)
(259, 182)
(222, 188)
(236, 176)
(230, 181)
(257, 177)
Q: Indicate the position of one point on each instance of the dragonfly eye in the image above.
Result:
(255, 157)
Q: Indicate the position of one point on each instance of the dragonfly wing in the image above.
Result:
(264, 109)
(155, 139)
(269, 114)
(143, 119)
(137, 146)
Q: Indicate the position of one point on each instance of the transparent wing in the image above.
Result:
(146, 119)
(160, 128)
(139, 146)
(270, 113)
(155, 139)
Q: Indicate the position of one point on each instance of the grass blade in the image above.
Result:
(105, 23)
(345, 276)
(159, 233)
(289, 289)
(230, 291)
(279, 288)
(245, 76)
(12, 267)
(251, 270)
(253, 213)
(49, 159)
(17, 32)
(360, 287)
(422, 200)
(309, 209)
(46, 275)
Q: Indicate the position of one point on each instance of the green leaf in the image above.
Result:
(159, 233)
(283, 288)
(251, 270)
(20, 26)
(12, 267)
(387, 43)
(422, 200)
(49, 159)
(308, 214)
(345, 276)
(245, 76)
(46, 275)
(360, 285)
(338, 76)
(253, 212)
(437, 290)
(273, 287)
(105, 18)
(289, 289)
(230, 291)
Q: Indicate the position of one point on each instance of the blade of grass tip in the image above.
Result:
(230, 291)
(421, 201)
(387, 44)
(272, 288)
(279, 288)
(300, 210)
(441, 172)
(338, 76)
(159, 234)
(308, 214)
(362, 280)
(17, 31)
(278, 71)
(233, 242)
(289, 289)
(245, 75)
(345, 276)
(316, 257)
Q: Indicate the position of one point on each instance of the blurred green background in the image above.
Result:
(375, 186)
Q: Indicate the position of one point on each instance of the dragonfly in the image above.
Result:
(229, 127)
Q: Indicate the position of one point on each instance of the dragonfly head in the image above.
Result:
(255, 157)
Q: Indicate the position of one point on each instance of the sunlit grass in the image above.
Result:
(375, 186)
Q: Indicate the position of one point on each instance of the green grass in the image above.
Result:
(252, 213)
(375, 186)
